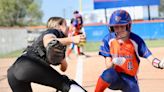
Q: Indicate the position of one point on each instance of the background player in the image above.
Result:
(121, 49)
(76, 28)
(34, 64)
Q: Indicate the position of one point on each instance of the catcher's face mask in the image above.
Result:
(55, 52)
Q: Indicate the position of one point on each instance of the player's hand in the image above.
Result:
(119, 60)
(79, 38)
(108, 62)
(158, 63)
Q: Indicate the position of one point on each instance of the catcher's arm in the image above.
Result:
(156, 62)
(65, 41)
(63, 66)
(55, 51)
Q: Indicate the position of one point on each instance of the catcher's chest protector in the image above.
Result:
(38, 48)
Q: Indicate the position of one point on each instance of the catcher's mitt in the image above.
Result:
(55, 52)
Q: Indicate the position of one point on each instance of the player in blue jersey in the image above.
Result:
(76, 28)
(121, 49)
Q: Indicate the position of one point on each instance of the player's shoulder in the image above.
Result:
(136, 38)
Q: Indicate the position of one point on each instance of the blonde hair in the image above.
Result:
(55, 22)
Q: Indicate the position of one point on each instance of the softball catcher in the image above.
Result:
(34, 64)
(121, 49)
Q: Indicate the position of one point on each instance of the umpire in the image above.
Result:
(34, 64)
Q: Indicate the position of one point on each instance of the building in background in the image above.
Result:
(136, 12)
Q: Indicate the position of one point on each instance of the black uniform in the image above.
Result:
(33, 66)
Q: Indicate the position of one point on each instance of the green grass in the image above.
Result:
(155, 43)
(92, 47)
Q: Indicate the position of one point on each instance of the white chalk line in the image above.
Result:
(79, 71)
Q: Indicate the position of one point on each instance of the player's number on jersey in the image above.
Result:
(130, 65)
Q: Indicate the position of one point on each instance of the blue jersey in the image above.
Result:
(131, 50)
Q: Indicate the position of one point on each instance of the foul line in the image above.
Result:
(79, 71)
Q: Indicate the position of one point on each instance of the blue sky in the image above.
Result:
(63, 8)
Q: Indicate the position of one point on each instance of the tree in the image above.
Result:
(20, 12)
(161, 8)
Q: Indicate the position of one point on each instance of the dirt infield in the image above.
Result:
(150, 78)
